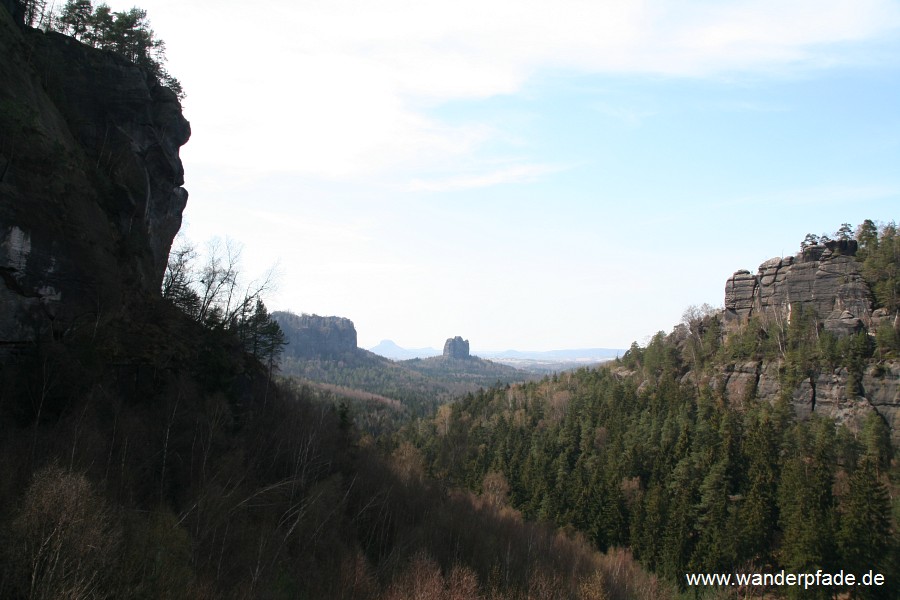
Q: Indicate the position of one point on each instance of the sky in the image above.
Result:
(529, 174)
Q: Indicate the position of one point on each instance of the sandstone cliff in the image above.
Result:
(90, 181)
(312, 336)
(823, 392)
(456, 347)
(825, 281)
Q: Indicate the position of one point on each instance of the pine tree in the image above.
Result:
(806, 503)
(76, 17)
(759, 510)
(864, 535)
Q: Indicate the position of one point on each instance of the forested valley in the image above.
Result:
(652, 453)
(150, 447)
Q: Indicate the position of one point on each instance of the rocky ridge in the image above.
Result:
(826, 280)
(312, 336)
(91, 191)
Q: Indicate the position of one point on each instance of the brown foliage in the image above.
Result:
(65, 539)
(422, 580)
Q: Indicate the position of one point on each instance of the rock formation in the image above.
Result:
(90, 181)
(312, 336)
(456, 347)
(825, 392)
(825, 279)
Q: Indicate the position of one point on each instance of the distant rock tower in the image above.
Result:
(456, 348)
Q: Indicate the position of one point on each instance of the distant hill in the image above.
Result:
(575, 355)
(389, 349)
(457, 367)
(553, 361)
(537, 362)
(469, 373)
(322, 353)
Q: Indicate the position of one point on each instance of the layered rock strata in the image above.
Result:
(315, 337)
(826, 281)
(823, 279)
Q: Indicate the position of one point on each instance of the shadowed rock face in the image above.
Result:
(90, 181)
(312, 336)
(456, 347)
(824, 393)
(14, 9)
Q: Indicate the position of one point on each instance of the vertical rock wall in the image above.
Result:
(315, 337)
(826, 280)
(456, 347)
(90, 181)
(822, 279)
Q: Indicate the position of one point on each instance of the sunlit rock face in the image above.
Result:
(90, 181)
(456, 347)
(823, 279)
(827, 393)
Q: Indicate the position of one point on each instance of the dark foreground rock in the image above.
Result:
(90, 181)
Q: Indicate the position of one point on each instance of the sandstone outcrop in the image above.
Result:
(824, 393)
(456, 347)
(90, 181)
(314, 337)
(825, 279)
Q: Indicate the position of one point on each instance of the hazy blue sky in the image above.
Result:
(530, 174)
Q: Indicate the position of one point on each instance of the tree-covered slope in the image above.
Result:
(382, 393)
(697, 466)
(145, 450)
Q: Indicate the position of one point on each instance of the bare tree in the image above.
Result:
(213, 294)
(179, 278)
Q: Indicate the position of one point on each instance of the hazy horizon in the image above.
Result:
(538, 175)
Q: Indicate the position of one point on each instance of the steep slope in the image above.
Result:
(145, 455)
(815, 327)
(716, 447)
(322, 352)
(90, 181)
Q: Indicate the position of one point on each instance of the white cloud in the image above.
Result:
(341, 89)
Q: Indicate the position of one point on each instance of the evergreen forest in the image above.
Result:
(171, 447)
(651, 454)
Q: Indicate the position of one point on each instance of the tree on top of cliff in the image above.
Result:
(880, 255)
(811, 239)
(36, 12)
(76, 17)
(126, 33)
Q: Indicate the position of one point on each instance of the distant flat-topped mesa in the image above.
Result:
(456, 347)
(824, 278)
(312, 336)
